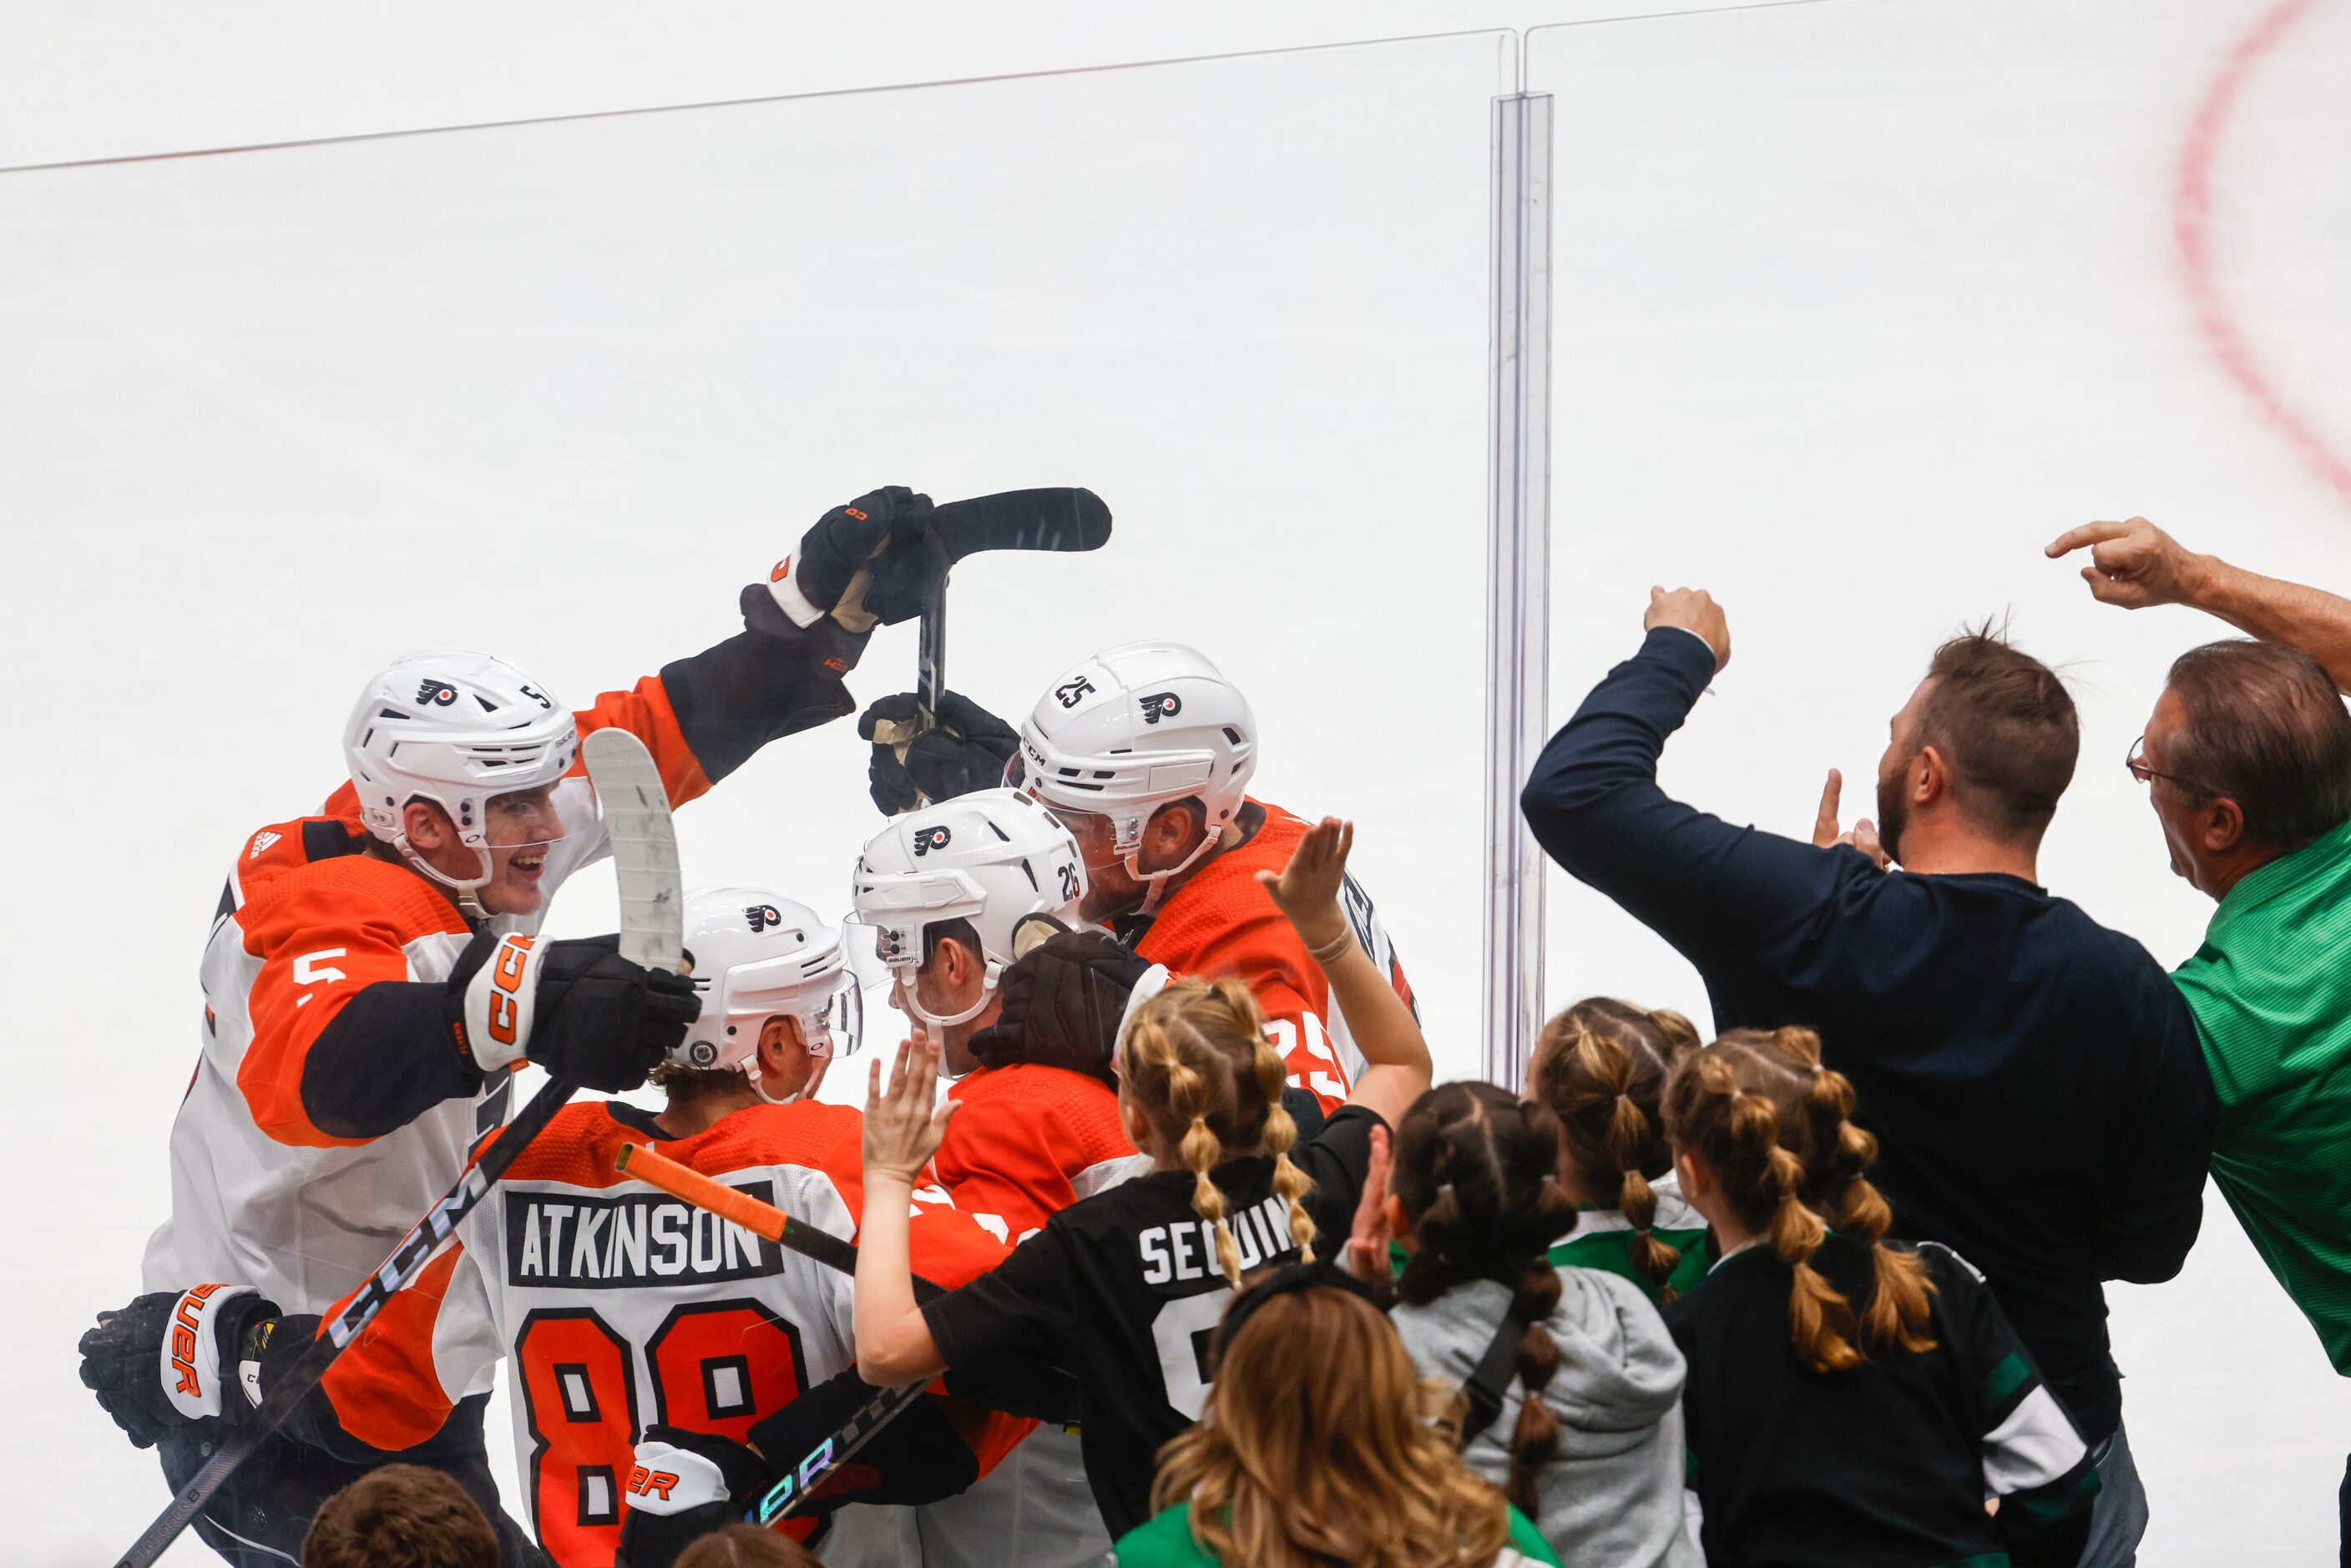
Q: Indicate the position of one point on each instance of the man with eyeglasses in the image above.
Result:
(2247, 760)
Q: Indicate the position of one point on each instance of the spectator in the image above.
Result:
(1849, 1402)
(2247, 760)
(401, 1516)
(1601, 1067)
(2033, 1078)
(1573, 1387)
(746, 1546)
(1317, 1447)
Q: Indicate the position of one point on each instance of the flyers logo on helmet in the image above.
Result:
(1073, 692)
(929, 839)
(759, 916)
(1159, 705)
(434, 694)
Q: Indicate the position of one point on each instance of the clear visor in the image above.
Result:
(891, 946)
(837, 1027)
(529, 822)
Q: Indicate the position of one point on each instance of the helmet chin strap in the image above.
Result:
(941, 1021)
(1155, 882)
(464, 888)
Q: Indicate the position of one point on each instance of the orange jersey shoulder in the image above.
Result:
(580, 1147)
(1026, 1141)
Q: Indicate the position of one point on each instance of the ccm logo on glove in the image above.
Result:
(499, 1002)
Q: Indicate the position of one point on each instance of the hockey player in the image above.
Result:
(373, 971)
(954, 893)
(968, 901)
(1145, 753)
(629, 1314)
(1121, 1289)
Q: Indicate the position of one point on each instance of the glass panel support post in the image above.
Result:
(1517, 577)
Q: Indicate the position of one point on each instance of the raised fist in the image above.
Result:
(1692, 610)
(874, 560)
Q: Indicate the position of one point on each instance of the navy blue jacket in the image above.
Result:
(2040, 1102)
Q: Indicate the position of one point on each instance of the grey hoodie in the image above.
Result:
(1612, 1495)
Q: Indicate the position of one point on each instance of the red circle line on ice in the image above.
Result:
(2191, 228)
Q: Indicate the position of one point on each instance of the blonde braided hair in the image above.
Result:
(1196, 1059)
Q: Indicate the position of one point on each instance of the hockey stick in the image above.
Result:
(645, 852)
(1059, 519)
(760, 1218)
(797, 1483)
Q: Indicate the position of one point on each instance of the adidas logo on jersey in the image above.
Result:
(576, 1241)
(261, 841)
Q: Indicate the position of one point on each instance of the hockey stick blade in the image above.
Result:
(635, 807)
(653, 912)
(1057, 519)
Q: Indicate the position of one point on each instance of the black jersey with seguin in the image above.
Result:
(1122, 1291)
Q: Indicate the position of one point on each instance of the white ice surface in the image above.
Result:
(1856, 305)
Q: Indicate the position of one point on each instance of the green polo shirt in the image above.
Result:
(2271, 990)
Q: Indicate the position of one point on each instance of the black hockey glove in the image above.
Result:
(575, 1007)
(683, 1486)
(965, 750)
(1061, 1004)
(173, 1356)
(918, 1458)
(875, 558)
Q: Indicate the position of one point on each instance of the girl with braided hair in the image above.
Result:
(1601, 1067)
(1121, 1289)
(1582, 1425)
(1849, 1400)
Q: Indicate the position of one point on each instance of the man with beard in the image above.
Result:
(2033, 1081)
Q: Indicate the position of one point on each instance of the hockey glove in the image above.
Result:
(1061, 1004)
(876, 558)
(175, 1356)
(575, 1007)
(965, 751)
(683, 1486)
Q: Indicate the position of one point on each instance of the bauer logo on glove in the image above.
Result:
(191, 1362)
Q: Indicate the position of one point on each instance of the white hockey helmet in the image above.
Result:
(756, 955)
(454, 729)
(994, 857)
(1130, 730)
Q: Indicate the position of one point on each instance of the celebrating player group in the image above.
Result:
(945, 1330)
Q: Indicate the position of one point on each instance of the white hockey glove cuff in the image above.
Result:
(192, 1371)
(499, 1002)
(798, 608)
(668, 1479)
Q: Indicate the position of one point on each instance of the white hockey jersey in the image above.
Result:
(622, 1307)
(329, 1108)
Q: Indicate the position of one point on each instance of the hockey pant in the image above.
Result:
(1033, 1510)
(258, 1519)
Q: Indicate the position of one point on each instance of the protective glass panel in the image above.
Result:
(560, 391)
(1856, 307)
